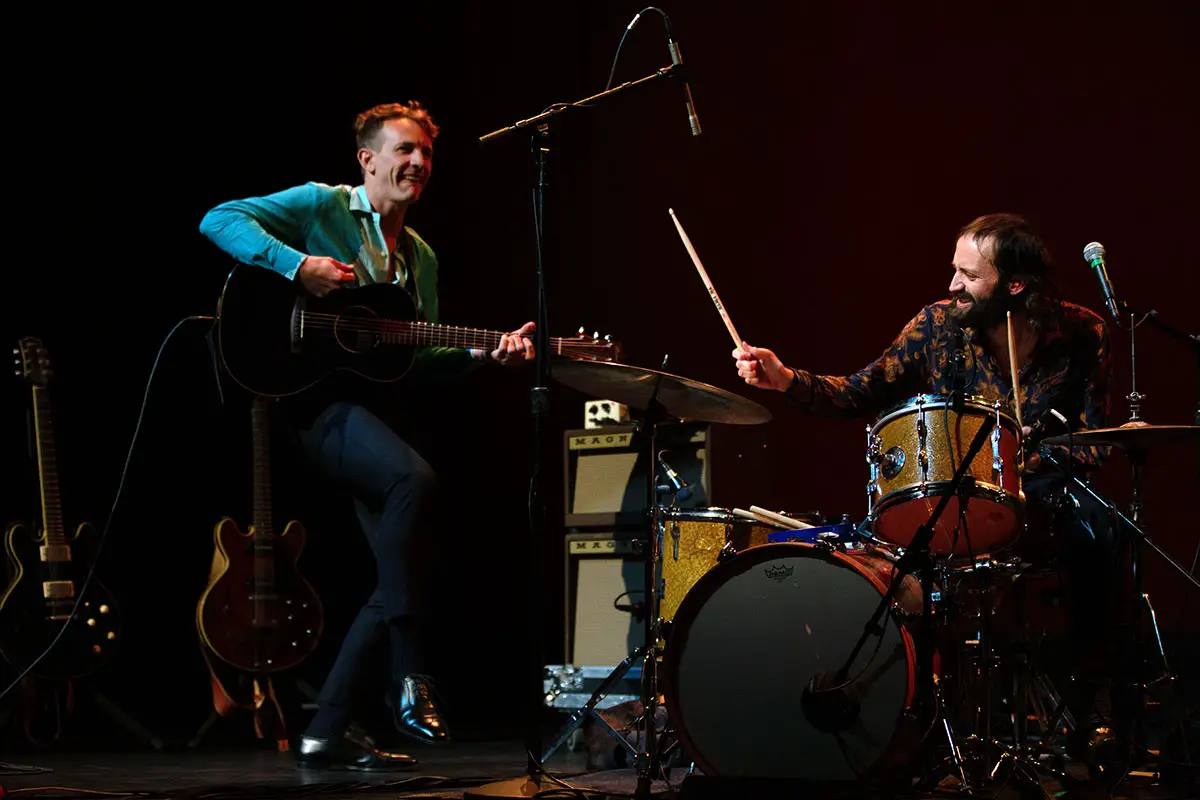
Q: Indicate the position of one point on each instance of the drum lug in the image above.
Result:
(922, 449)
(824, 544)
(997, 461)
(874, 445)
(727, 552)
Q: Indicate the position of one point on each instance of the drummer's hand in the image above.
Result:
(1033, 459)
(760, 367)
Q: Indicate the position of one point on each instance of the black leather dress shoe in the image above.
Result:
(414, 712)
(346, 754)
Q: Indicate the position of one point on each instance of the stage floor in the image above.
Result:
(447, 772)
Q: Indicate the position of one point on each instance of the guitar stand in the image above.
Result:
(282, 735)
(99, 701)
(130, 724)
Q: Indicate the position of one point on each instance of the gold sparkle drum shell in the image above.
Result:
(913, 452)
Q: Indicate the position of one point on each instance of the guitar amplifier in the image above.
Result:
(606, 472)
(603, 570)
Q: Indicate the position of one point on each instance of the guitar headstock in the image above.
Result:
(592, 347)
(32, 361)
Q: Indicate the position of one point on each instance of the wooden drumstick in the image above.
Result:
(737, 340)
(1012, 365)
(780, 518)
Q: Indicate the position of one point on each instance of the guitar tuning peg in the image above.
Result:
(608, 338)
(595, 336)
(581, 332)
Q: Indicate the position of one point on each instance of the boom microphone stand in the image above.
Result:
(826, 700)
(534, 780)
(1135, 526)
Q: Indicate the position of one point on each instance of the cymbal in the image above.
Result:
(1130, 437)
(681, 398)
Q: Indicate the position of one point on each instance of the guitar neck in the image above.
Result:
(52, 519)
(429, 334)
(261, 447)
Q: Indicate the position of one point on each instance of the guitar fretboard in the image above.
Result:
(264, 539)
(428, 334)
(48, 469)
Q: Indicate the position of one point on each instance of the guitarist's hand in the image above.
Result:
(515, 347)
(321, 275)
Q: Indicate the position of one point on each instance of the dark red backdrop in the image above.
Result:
(842, 147)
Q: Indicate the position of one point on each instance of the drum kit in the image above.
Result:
(836, 653)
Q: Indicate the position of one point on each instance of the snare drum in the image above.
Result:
(913, 452)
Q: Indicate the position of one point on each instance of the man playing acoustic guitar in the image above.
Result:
(326, 238)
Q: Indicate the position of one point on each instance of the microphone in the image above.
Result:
(1094, 255)
(682, 490)
(829, 703)
(677, 61)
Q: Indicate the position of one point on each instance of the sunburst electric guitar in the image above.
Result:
(46, 607)
(258, 612)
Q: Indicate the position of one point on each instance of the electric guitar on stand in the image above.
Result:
(42, 610)
(258, 613)
(275, 339)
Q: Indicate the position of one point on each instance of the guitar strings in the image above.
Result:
(426, 333)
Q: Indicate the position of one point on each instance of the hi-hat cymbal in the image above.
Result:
(1130, 436)
(681, 398)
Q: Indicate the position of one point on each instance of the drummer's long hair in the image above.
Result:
(1018, 252)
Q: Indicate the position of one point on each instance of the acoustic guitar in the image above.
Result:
(50, 607)
(258, 613)
(277, 339)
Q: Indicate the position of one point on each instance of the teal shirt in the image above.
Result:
(278, 230)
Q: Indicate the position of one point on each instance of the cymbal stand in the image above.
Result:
(1137, 460)
(646, 760)
(1020, 757)
(1033, 691)
(1137, 538)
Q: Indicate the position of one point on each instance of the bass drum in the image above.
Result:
(750, 637)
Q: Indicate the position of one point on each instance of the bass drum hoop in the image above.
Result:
(903, 740)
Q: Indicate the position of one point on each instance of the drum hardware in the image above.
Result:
(1136, 438)
(918, 559)
(912, 451)
(774, 612)
(658, 396)
(968, 757)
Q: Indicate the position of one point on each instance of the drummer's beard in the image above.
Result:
(983, 313)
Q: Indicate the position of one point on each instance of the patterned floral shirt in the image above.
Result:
(1070, 371)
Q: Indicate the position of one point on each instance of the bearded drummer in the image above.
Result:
(1062, 352)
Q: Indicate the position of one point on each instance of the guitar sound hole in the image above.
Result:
(355, 328)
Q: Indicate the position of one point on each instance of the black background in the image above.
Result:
(843, 145)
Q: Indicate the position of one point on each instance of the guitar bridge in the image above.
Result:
(58, 589)
(297, 324)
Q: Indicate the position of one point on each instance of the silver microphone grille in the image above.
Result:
(1093, 251)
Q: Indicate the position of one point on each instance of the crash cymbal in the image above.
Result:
(681, 398)
(1137, 436)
